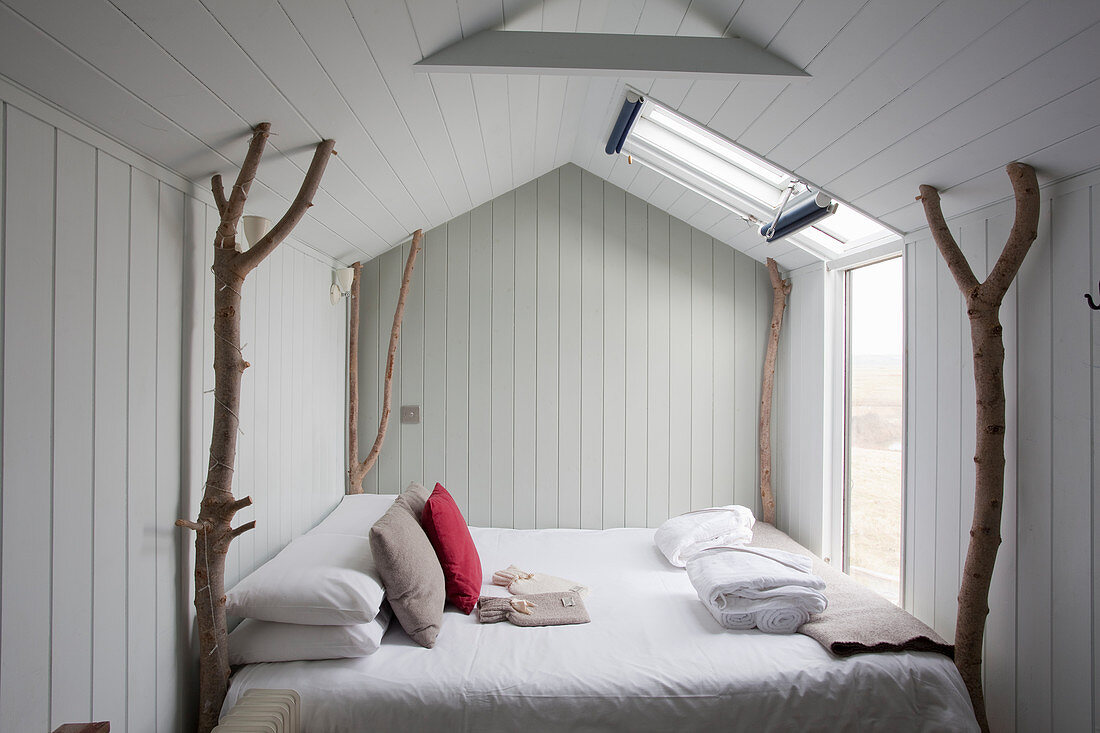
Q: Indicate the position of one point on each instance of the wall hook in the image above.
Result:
(1093, 304)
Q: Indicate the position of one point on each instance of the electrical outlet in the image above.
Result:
(410, 414)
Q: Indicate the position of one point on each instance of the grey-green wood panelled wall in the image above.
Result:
(1042, 651)
(581, 359)
(107, 356)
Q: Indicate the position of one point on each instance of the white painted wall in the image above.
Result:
(107, 355)
(1041, 649)
(581, 359)
(804, 470)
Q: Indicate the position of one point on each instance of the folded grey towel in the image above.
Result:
(535, 609)
(858, 620)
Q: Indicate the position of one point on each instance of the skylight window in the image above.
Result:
(744, 183)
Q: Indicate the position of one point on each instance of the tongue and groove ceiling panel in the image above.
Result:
(901, 92)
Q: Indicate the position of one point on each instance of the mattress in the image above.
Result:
(652, 659)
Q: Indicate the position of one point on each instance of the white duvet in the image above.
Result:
(653, 659)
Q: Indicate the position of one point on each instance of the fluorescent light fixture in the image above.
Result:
(744, 183)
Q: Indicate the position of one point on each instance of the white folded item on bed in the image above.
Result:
(652, 659)
(747, 587)
(783, 620)
(267, 641)
(681, 537)
(327, 576)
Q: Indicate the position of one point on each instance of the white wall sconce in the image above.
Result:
(254, 228)
(342, 287)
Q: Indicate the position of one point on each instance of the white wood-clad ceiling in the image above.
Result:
(903, 92)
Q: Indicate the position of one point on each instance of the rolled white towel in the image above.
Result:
(781, 620)
(681, 537)
(746, 587)
(735, 621)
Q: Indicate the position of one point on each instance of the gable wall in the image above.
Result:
(581, 359)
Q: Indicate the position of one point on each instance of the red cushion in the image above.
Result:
(446, 529)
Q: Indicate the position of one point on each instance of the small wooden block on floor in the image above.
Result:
(104, 727)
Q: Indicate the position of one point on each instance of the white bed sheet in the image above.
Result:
(652, 659)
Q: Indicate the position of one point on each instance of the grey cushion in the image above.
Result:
(415, 496)
(409, 567)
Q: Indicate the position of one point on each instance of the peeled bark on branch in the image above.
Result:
(983, 305)
(780, 290)
(213, 529)
(357, 470)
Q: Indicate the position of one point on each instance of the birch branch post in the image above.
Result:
(780, 290)
(213, 528)
(983, 306)
(358, 470)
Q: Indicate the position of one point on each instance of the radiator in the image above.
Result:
(264, 711)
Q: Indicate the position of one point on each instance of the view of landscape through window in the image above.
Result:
(875, 426)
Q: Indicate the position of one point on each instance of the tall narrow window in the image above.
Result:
(873, 498)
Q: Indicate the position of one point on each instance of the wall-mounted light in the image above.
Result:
(342, 287)
(254, 229)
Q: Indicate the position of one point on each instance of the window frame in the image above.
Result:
(842, 395)
(818, 241)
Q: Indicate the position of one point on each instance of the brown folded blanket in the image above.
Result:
(534, 609)
(858, 620)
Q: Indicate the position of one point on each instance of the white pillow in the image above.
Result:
(355, 514)
(318, 578)
(263, 641)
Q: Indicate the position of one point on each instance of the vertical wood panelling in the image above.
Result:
(726, 450)
(1040, 644)
(109, 640)
(659, 454)
(702, 370)
(390, 268)
(1072, 450)
(569, 347)
(481, 364)
(923, 386)
(565, 324)
(742, 404)
(1034, 518)
(74, 392)
(502, 291)
(141, 452)
(592, 352)
(106, 348)
(637, 361)
(524, 380)
(680, 385)
(170, 645)
(614, 356)
(546, 353)
(1094, 269)
(799, 451)
(458, 360)
(27, 443)
(434, 414)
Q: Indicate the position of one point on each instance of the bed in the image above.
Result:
(652, 659)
